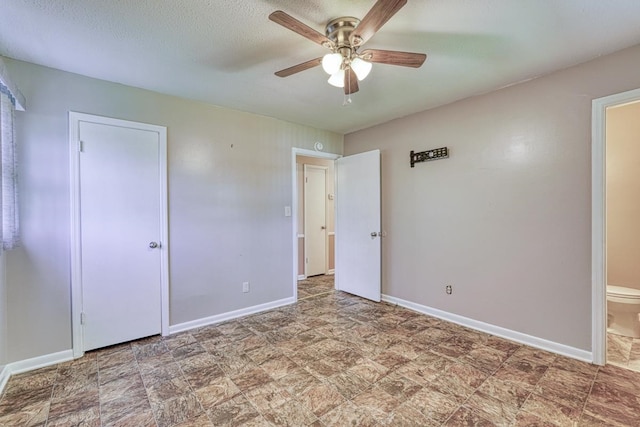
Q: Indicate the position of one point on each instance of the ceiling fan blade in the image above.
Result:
(350, 82)
(379, 14)
(394, 57)
(288, 21)
(300, 67)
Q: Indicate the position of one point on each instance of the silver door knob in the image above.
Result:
(374, 234)
(322, 227)
(153, 245)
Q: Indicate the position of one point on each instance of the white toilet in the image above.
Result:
(623, 311)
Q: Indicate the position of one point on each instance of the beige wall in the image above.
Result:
(623, 195)
(506, 219)
(330, 218)
(229, 180)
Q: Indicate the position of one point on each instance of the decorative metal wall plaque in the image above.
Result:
(426, 156)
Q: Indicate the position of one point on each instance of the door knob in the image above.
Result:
(322, 227)
(153, 245)
(374, 234)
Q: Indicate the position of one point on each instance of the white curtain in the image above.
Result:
(10, 224)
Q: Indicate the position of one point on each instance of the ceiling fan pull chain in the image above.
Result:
(347, 98)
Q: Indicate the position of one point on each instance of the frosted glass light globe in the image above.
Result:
(331, 63)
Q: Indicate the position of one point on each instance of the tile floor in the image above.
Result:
(623, 352)
(329, 360)
(315, 285)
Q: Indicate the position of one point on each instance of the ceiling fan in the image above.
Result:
(346, 64)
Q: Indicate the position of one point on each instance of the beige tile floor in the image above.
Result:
(315, 285)
(623, 352)
(329, 360)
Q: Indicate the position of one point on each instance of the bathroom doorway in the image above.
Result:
(616, 230)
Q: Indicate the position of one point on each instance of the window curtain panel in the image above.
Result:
(10, 220)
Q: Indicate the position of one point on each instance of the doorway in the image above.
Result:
(314, 213)
(608, 186)
(119, 231)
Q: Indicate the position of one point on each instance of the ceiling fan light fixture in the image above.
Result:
(331, 63)
(337, 79)
(361, 68)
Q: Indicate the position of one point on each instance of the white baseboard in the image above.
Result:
(4, 378)
(302, 277)
(32, 364)
(181, 327)
(330, 272)
(509, 334)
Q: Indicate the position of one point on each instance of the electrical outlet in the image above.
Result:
(245, 287)
(449, 289)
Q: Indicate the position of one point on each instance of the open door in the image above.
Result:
(358, 224)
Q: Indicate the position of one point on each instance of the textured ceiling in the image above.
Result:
(225, 52)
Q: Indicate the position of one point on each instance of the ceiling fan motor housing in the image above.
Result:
(338, 31)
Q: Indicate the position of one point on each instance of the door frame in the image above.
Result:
(75, 242)
(306, 240)
(295, 152)
(599, 220)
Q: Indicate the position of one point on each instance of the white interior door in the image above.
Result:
(120, 230)
(315, 225)
(358, 224)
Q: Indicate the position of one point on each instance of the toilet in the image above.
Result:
(623, 311)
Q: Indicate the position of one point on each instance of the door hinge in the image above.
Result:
(83, 318)
(306, 260)
(306, 179)
(80, 146)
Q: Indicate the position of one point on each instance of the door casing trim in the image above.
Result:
(75, 243)
(599, 219)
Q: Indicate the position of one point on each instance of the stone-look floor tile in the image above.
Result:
(378, 402)
(298, 381)
(30, 415)
(115, 372)
(524, 419)
(333, 359)
(121, 407)
(219, 390)
(168, 389)
(550, 410)
(86, 418)
(290, 413)
(434, 404)
(203, 377)
(176, 410)
(121, 387)
(321, 398)
(86, 400)
(348, 414)
(250, 378)
(278, 367)
(139, 419)
(488, 407)
(117, 357)
(347, 384)
(618, 349)
(608, 401)
(417, 372)
(406, 415)
(399, 386)
(368, 370)
(267, 397)
(234, 412)
(459, 381)
(523, 373)
(188, 350)
(619, 377)
(467, 417)
(505, 391)
(485, 358)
